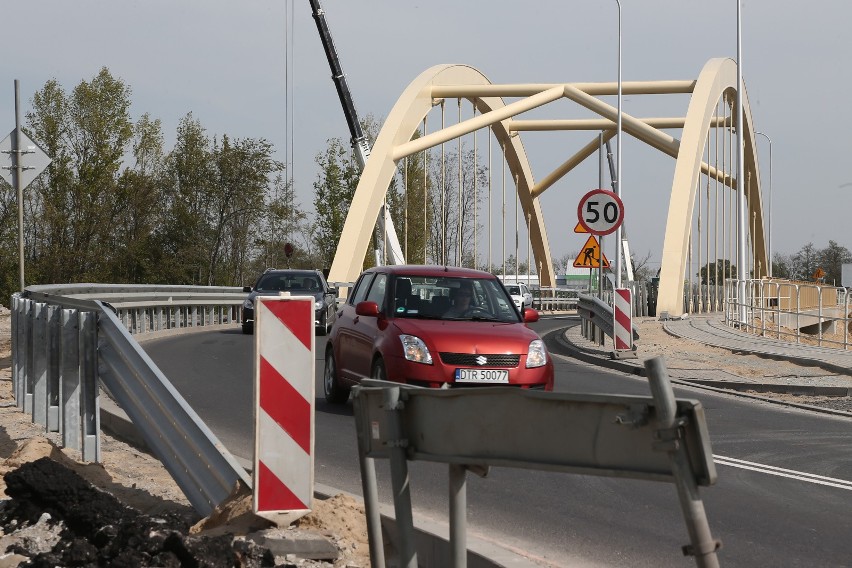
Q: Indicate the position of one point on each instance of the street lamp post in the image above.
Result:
(741, 201)
(618, 243)
(769, 227)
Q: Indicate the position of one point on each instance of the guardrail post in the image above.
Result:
(458, 515)
(54, 346)
(400, 479)
(16, 354)
(369, 486)
(89, 386)
(39, 376)
(69, 373)
(702, 545)
(25, 356)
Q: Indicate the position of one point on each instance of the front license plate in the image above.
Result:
(491, 376)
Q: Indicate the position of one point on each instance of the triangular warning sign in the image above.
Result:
(580, 229)
(590, 255)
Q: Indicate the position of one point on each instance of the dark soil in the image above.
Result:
(98, 530)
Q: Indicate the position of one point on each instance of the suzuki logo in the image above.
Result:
(481, 360)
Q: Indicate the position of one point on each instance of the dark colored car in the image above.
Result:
(433, 326)
(299, 283)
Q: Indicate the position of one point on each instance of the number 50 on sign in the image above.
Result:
(600, 212)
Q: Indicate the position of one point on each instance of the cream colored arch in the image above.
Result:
(719, 76)
(394, 143)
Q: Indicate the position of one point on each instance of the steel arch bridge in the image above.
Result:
(709, 124)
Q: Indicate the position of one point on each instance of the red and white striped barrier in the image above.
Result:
(284, 406)
(623, 325)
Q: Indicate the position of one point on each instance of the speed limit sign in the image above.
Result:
(600, 212)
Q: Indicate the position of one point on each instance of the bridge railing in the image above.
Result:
(800, 312)
(67, 342)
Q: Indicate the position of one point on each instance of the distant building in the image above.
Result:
(846, 275)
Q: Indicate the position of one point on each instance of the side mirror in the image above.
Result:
(246, 288)
(530, 315)
(367, 309)
(332, 290)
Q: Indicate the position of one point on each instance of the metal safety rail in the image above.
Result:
(598, 319)
(792, 311)
(554, 300)
(655, 438)
(67, 342)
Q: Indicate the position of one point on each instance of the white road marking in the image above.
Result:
(781, 472)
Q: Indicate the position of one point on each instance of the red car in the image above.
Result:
(433, 326)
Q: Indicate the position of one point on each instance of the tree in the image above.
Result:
(190, 174)
(333, 192)
(641, 269)
(831, 259)
(76, 203)
(452, 203)
(716, 272)
(804, 263)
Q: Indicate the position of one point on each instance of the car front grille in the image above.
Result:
(470, 359)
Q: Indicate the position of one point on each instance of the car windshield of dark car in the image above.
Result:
(294, 283)
(449, 298)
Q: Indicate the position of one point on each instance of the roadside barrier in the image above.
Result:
(67, 343)
(657, 438)
(284, 402)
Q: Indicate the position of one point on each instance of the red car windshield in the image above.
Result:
(449, 298)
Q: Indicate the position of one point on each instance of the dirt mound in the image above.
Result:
(97, 529)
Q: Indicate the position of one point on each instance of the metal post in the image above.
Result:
(769, 228)
(458, 515)
(400, 480)
(600, 184)
(89, 386)
(369, 486)
(702, 545)
(741, 201)
(18, 183)
(39, 376)
(69, 371)
(618, 159)
(54, 342)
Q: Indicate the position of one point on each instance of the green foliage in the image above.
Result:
(114, 206)
(334, 188)
(716, 272)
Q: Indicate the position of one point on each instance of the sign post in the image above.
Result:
(19, 176)
(600, 212)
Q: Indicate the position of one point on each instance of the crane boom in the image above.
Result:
(385, 231)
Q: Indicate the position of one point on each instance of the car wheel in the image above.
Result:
(379, 372)
(248, 328)
(334, 393)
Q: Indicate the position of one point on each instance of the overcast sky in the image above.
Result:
(229, 63)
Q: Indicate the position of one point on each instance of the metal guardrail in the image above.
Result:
(598, 320)
(554, 300)
(66, 342)
(655, 438)
(792, 311)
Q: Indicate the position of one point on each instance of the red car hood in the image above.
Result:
(469, 336)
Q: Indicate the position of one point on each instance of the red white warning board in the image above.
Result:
(590, 255)
(284, 407)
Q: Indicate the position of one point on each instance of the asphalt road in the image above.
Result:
(793, 515)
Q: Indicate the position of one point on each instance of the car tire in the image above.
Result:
(334, 392)
(379, 372)
(323, 327)
(248, 328)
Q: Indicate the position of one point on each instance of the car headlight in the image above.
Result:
(248, 304)
(537, 354)
(318, 304)
(415, 350)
